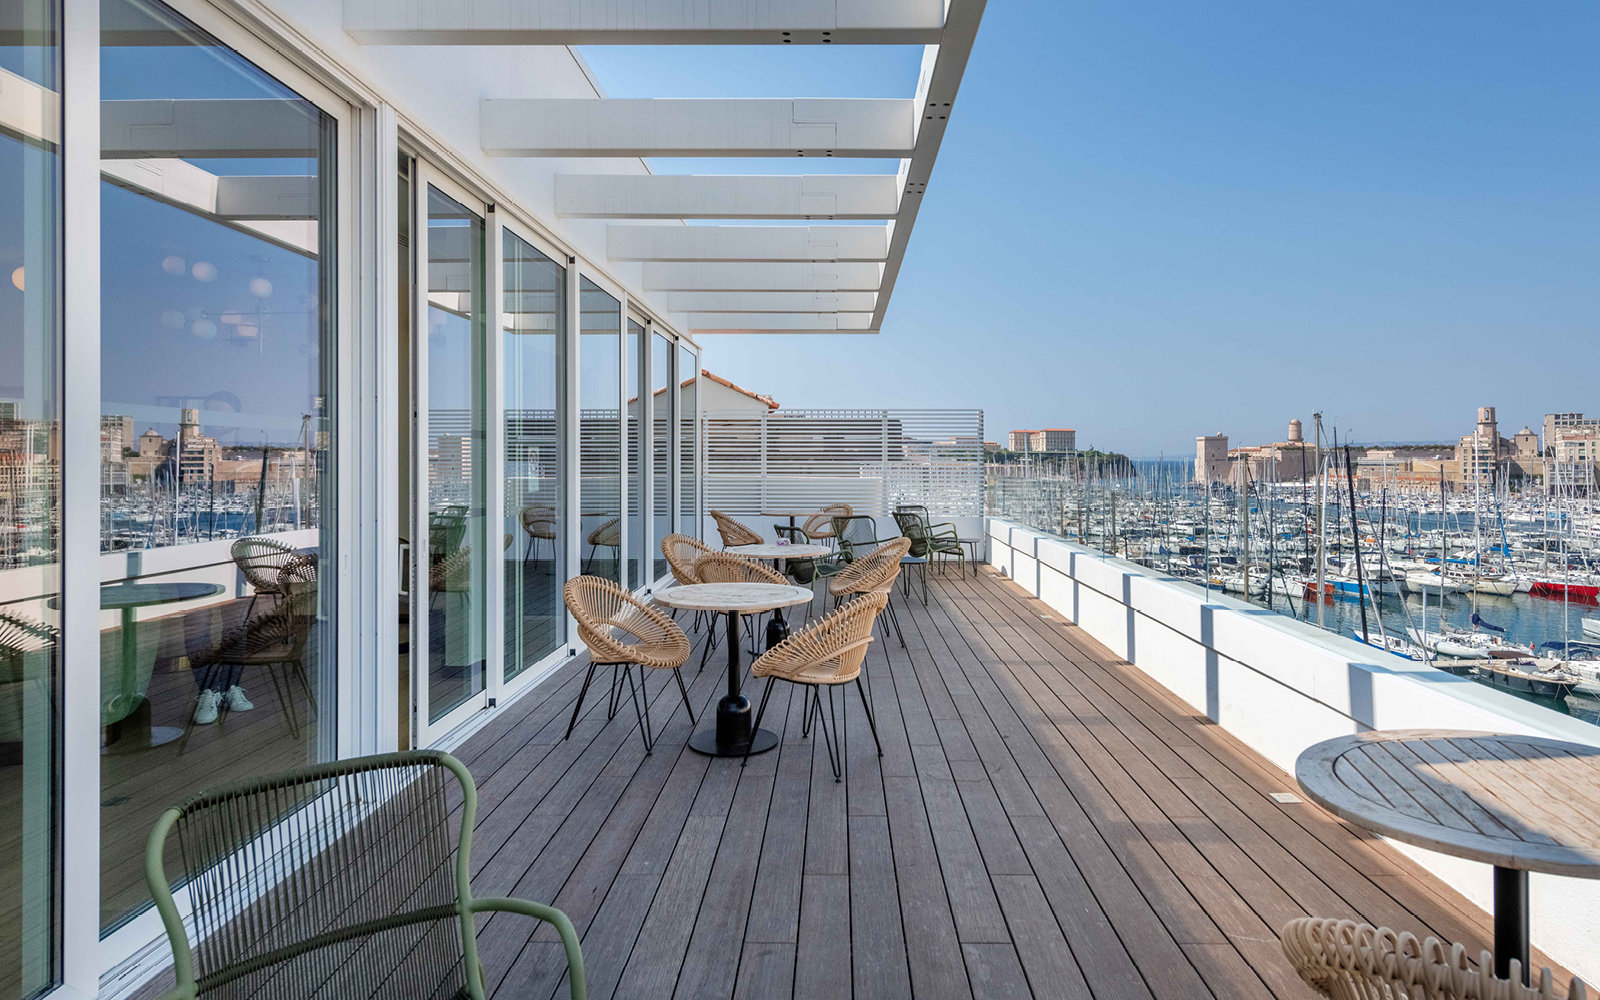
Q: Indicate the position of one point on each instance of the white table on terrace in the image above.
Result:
(1519, 803)
(734, 735)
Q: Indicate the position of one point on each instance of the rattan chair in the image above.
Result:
(873, 573)
(28, 652)
(539, 522)
(260, 560)
(819, 526)
(825, 654)
(726, 567)
(1345, 960)
(275, 642)
(603, 609)
(337, 882)
(681, 551)
(609, 535)
(734, 533)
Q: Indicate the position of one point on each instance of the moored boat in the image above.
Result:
(1530, 675)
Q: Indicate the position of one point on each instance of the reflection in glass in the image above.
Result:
(633, 376)
(456, 439)
(216, 428)
(600, 430)
(532, 324)
(30, 505)
(688, 422)
(661, 448)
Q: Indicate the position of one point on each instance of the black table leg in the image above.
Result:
(1510, 921)
(733, 736)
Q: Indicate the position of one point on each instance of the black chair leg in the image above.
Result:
(587, 678)
(829, 738)
(685, 692)
(642, 714)
(615, 701)
(895, 621)
(761, 711)
(872, 723)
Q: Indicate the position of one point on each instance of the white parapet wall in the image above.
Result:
(1281, 686)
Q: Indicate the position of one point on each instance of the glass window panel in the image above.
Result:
(600, 430)
(30, 509)
(456, 439)
(688, 422)
(217, 354)
(533, 323)
(638, 538)
(661, 448)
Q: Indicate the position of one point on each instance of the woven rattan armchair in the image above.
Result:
(604, 609)
(260, 560)
(681, 552)
(873, 573)
(539, 522)
(819, 526)
(725, 567)
(342, 881)
(274, 641)
(825, 654)
(733, 532)
(609, 535)
(1345, 960)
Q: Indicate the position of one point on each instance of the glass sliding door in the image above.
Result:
(600, 431)
(638, 538)
(452, 353)
(660, 450)
(688, 442)
(533, 322)
(30, 504)
(218, 352)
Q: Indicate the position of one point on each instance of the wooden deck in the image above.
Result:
(1046, 821)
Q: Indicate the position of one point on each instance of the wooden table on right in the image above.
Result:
(1519, 803)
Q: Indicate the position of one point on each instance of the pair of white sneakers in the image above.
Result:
(211, 703)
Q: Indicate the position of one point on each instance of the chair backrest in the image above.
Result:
(820, 524)
(854, 531)
(608, 534)
(324, 882)
(918, 509)
(733, 532)
(600, 606)
(1349, 961)
(803, 570)
(838, 640)
(873, 572)
(681, 551)
(915, 527)
(539, 520)
(725, 567)
(260, 559)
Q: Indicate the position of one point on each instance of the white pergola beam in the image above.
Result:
(260, 127)
(600, 127)
(28, 110)
(774, 302)
(644, 22)
(747, 243)
(780, 322)
(710, 196)
(762, 277)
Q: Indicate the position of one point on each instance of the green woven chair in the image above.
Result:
(930, 540)
(338, 881)
(857, 535)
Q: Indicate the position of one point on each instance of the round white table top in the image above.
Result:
(767, 550)
(724, 598)
(1518, 802)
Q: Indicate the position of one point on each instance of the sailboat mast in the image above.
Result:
(1322, 526)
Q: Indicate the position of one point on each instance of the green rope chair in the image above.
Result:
(336, 881)
(856, 531)
(929, 540)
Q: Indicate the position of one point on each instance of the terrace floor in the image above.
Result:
(1046, 821)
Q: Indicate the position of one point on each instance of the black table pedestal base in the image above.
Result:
(1510, 921)
(705, 741)
(732, 736)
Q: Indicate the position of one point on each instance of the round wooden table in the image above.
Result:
(734, 735)
(1519, 803)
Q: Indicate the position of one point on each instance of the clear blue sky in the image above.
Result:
(1155, 220)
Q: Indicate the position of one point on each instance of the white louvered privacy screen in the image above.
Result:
(871, 459)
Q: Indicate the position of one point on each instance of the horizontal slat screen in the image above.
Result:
(871, 459)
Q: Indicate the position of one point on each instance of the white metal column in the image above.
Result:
(647, 457)
(80, 590)
(494, 467)
(571, 430)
